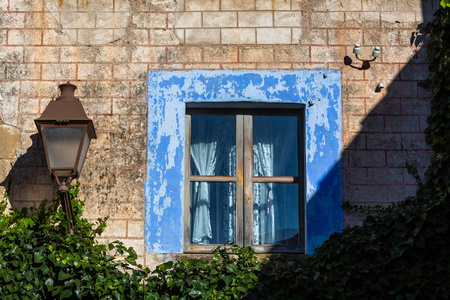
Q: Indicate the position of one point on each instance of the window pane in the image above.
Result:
(275, 214)
(213, 145)
(212, 211)
(62, 145)
(275, 151)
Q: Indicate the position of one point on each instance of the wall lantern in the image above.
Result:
(66, 132)
(366, 62)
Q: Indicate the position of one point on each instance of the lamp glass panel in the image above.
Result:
(62, 145)
(84, 149)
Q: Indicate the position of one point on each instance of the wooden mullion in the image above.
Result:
(248, 185)
(208, 178)
(187, 183)
(276, 179)
(240, 218)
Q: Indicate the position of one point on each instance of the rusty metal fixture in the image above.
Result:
(66, 132)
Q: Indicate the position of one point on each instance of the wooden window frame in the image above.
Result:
(244, 178)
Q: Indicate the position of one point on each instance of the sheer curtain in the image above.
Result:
(212, 153)
(274, 147)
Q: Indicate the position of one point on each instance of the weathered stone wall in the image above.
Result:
(106, 47)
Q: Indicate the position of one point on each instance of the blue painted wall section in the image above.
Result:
(168, 93)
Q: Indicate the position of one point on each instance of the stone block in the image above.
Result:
(138, 89)
(398, 159)
(41, 20)
(379, 5)
(12, 20)
(30, 192)
(327, 55)
(201, 5)
(287, 19)
(78, 54)
(327, 20)
(227, 54)
(29, 105)
(129, 106)
(416, 106)
(137, 244)
(52, 37)
(112, 20)
(36, 89)
(112, 89)
(413, 71)
(26, 5)
(366, 194)
(94, 71)
(273, 5)
(354, 107)
(10, 141)
(398, 20)
(366, 158)
(344, 36)
(354, 140)
(202, 36)
(97, 106)
(344, 5)
(3, 36)
(95, 36)
(255, 19)
(59, 71)
(23, 71)
(362, 20)
(400, 192)
(77, 20)
(402, 123)
(355, 176)
(237, 4)
(311, 36)
(188, 19)
(238, 36)
(386, 141)
(11, 54)
(185, 54)
(219, 19)
(24, 37)
(130, 71)
(414, 141)
(135, 229)
(290, 53)
(256, 54)
(163, 37)
(115, 229)
(273, 36)
(113, 54)
(403, 89)
(149, 54)
(41, 54)
(380, 37)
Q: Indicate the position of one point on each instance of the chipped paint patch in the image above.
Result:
(168, 93)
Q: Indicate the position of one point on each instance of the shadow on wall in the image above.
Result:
(29, 181)
(382, 135)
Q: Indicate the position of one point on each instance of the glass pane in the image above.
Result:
(84, 150)
(62, 146)
(275, 214)
(213, 145)
(275, 150)
(212, 212)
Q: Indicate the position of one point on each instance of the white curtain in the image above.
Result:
(212, 153)
(274, 141)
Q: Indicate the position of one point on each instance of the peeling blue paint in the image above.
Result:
(167, 94)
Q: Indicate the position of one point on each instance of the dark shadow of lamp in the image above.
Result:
(66, 132)
(366, 62)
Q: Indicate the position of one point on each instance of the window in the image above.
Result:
(245, 178)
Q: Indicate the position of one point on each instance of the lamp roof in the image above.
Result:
(66, 109)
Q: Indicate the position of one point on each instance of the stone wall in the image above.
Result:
(106, 47)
